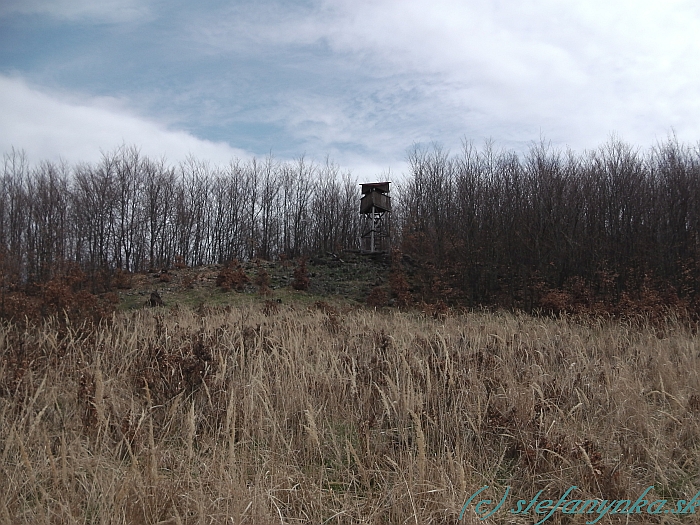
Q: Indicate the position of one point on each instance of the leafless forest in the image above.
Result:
(612, 229)
(615, 227)
(130, 212)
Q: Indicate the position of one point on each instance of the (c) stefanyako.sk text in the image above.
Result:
(568, 504)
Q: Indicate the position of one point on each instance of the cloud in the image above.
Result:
(585, 68)
(52, 126)
(359, 80)
(102, 10)
(573, 71)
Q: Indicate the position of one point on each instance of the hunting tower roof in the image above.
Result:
(381, 187)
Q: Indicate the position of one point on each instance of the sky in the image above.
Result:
(359, 82)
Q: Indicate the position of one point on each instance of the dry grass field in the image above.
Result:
(269, 413)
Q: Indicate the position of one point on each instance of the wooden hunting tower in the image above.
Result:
(375, 208)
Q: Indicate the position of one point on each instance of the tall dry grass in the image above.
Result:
(321, 416)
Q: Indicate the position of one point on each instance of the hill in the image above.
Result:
(347, 278)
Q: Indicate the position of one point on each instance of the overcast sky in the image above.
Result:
(359, 81)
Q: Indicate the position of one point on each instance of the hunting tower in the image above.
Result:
(375, 208)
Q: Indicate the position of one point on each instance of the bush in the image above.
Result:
(262, 280)
(398, 283)
(301, 279)
(64, 296)
(232, 277)
(377, 297)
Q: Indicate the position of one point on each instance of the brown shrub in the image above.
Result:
(262, 280)
(122, 280)
(377, 297)
(437, 310)
(400, 290)
(556, 301)
(301, 279)
(188, 281)
(64, 296)
(232, 277)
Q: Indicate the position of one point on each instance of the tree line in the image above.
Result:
(555, 229)
(132, 213)
(546, 229)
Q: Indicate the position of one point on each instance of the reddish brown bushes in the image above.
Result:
(262, 280)
(232, 277)
(64, 296)
(301, 279)
(377, 297)
(400, 289)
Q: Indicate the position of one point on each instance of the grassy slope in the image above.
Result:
(344, 280)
